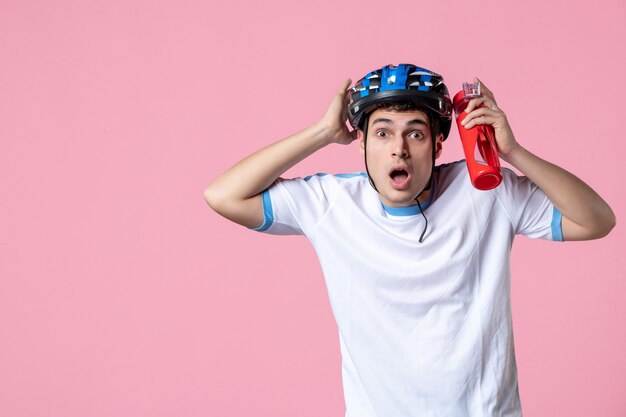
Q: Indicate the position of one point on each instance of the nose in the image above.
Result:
(399, 148)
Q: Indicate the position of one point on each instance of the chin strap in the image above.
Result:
(426, 188)
(425, 220)
(369, 177)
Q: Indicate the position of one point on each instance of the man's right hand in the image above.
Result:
(335, 118)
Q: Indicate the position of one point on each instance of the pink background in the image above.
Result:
(122, 294)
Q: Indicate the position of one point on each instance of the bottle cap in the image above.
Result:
(471, 90)
(460, 100)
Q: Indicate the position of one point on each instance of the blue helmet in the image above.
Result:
(405, 82)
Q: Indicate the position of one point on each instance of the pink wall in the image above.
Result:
(122, 294)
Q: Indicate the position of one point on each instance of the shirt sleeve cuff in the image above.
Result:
(557, 228)
(268, 213)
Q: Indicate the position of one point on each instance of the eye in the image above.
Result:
(382, 133)
(416, 134)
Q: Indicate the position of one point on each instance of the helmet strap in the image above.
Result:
(366, 122)
(428, 187)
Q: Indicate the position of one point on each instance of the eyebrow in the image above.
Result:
(409, 123)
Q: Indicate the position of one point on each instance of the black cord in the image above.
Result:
(369, 177)
(425, 221)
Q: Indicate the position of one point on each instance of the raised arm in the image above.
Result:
(585, 214)
(236, 194)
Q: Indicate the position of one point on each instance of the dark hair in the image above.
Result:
(404, 106)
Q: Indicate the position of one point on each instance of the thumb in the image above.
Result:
(344, 87)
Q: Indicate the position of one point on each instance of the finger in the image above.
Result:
(480, 101)
(473, 104)
(345, 118)
(490, 103)
(478, 121)
(346, 91)
(484, 90)
(346, 96)
(481, 112)
(344, 86)
(483, 116)
(484, 111)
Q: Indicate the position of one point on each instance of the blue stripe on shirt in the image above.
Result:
(557, 228)
(268, 212)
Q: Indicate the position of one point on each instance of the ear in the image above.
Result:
(361, 141)
(438, 145)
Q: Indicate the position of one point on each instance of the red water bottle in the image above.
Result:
(485, 174)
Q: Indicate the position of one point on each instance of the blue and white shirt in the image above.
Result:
(425, 328)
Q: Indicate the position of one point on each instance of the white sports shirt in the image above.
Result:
(425, 328)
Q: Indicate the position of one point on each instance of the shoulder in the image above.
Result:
(329, 181)
(452, 173)
(323, 185)
(451, 168)
(336, 178)
(515, 184)
(457, 171)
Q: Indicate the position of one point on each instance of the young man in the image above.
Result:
(416, 260)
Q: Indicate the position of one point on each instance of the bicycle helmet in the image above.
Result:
(405, 82)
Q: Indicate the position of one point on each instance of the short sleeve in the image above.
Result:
(294, 206)
(530, 211)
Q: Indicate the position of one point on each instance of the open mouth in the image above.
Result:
(399, 177)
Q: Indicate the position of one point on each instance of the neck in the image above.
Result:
(424, 195)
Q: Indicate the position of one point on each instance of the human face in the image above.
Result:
(399, 155)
